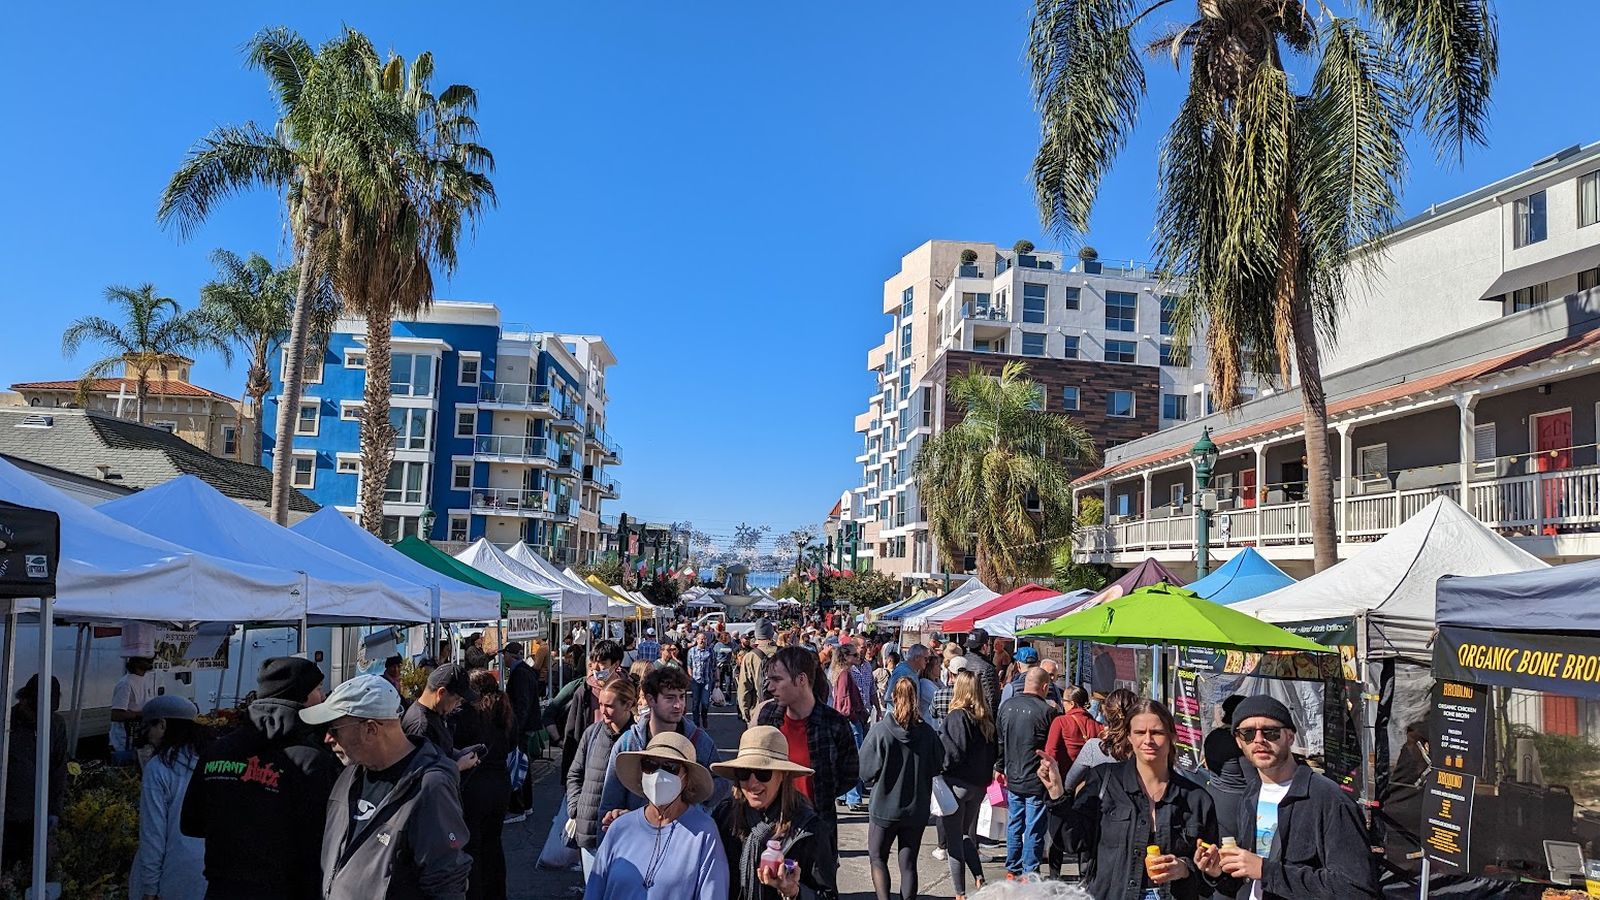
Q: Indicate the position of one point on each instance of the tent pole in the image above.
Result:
(238, 672)
(79, 663)
(1427, 867)
(41, 784)
(8, 673)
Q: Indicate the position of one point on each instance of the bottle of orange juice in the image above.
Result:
(1153, 868)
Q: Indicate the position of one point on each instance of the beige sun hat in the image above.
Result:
(763, 748)
(670, 747)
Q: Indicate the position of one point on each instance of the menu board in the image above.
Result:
(1341, 737)
(1458, 726)
(1186, 712)
(1446, 815)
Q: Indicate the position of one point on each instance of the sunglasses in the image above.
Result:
(652, 766)
(1270, 733)
(761, 775)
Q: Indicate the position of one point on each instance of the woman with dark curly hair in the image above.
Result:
(1112, 744)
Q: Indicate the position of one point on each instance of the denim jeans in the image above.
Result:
(854, 795)
(1025, 824)
(701, 702)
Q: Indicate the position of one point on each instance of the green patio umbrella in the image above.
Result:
(1164, 614)
(511, 597)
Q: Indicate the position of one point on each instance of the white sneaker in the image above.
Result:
(939, 853)
(514, 818)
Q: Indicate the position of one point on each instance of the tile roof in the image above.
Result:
(79, 441)
(1422, 385)
(155, 386)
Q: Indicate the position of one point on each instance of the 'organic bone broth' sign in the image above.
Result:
(1543, 661)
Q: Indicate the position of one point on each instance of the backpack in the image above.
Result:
(757, 681)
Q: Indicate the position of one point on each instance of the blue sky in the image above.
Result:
(718, 188)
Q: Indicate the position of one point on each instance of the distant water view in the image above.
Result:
(766, 579)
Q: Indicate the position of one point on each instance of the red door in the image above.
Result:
(1553, 443)
(1560, 714)
(1247, 487)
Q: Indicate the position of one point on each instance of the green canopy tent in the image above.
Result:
(1164, 614)
(510, 597)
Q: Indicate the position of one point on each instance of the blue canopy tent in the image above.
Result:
(1244, 577)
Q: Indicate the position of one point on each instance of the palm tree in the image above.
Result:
(328, 153)
(1267, 194)
(250, 305)
(153, 329)
(440, 186)
(977, 477)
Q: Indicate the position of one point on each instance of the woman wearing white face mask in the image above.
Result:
(669, 849)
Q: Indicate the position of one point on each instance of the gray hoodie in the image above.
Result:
(411, 847)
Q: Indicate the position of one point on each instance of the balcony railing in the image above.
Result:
(985, 313)
(1542, 503)
(533, 397)
(513, 448)
(607, 444)
(508, 502)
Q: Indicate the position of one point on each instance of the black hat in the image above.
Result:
(287, 678)
(1263, 707)
(453, 678)
(976, 638)
(513, 647)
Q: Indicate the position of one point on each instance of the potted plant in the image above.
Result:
(1024, 251)
(969, 263)
(1089, 257)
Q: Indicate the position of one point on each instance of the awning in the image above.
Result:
(1543, 271)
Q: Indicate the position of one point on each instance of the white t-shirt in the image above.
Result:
(131, 693)
(1266, 825)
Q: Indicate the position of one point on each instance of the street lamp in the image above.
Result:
(1205, 461)
(427, 523)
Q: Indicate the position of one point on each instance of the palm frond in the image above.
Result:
(1450, 52)
(286, 58)
(228, 160)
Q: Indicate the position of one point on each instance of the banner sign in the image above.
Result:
(1186, 712)
(30, 550)
(523, 624)
(202, 648)
(1536, 661)
(1290, 666)
(1328, 632)
(1458, 727)
(1341, 736)
(1447, 818)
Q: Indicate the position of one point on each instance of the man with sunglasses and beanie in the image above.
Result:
(1299, 834)
(259, 794)
(394, 824)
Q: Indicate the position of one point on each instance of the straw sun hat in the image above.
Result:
(673, 748)
(762, 748)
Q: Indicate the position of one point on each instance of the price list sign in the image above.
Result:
(1446, 818)
(1458, 726)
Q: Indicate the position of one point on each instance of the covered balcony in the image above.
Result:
(509, 502)
(607, 445)
(515, 449)
(536, 399)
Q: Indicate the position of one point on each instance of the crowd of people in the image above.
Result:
(363, 792)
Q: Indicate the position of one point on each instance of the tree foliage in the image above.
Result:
(148, 330)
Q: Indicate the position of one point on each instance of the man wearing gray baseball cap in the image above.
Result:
(394, 824)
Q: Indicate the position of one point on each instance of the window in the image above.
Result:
(466, 423)
(410, 428)
(467, 372)
(1032, 344)
(230, 440)
(1589, 278)
(907, 298)
(1171, 356)
(905, 341)
(306, 421)
(1372, 463)
(396, 527)
(1589, 199)
(1071, 349)
(347, 465)
(310, 365)
(1169, 315)
(1072, 298)
(355, 359)
(412, 375)
(305, 471)
(1483, 449)
(1034, 297)
(1175, 407)
(1530, 220)
(406, 480)
(1121, 351)
(905, 382)
(164, 425)
(351, 412)
(1069, 399)
(1529, 297)
(1175, 494)
(1119, 404)
(461, 476)
(457, 532)
(1122, 311)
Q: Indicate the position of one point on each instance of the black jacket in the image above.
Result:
(988, 680)
(522, 689)
(1227, 791)
(585, 780)
(258, 799)
(1109, 819)
(801, 843)
(411, 847)
(968, 755)
(1321, 850)
(899, 765)
(1024, 726)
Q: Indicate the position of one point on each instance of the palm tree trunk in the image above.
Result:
(140, 390)
(243, 443)
(1319, 462)
(377, 435)
(293, 368)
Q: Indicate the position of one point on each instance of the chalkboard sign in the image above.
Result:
(1447, 818)
(30, 550)
(1458, 726)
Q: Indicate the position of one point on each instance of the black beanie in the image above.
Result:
(287, 678)
(1262, 706)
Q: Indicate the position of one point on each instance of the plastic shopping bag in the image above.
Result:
(992, 822)
(942, 801)
(718, 698)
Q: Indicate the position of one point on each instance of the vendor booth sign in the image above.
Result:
(204, 647)
(1292, 666)
(30, 549)
(1446, 818)
(1536, 661)
(527, 623)
(1458, 727)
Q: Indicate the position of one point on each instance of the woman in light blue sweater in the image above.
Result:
(168, 865)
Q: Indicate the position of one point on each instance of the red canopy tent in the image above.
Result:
(967, 620)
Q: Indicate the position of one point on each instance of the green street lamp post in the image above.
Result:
(1205, 461)
(427, 524)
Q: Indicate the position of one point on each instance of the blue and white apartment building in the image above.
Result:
(500, 430)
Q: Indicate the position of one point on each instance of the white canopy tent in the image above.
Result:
(1391, 584)
(764, 605)
(452, 600)
(524, 554)
(970, 595)
(566, 601)
(191, 513)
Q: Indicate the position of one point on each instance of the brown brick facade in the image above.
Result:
(1092, 378)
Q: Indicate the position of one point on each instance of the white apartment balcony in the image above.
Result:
(535, 399)
(514, 449)
(509, 502)
(598, 438)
